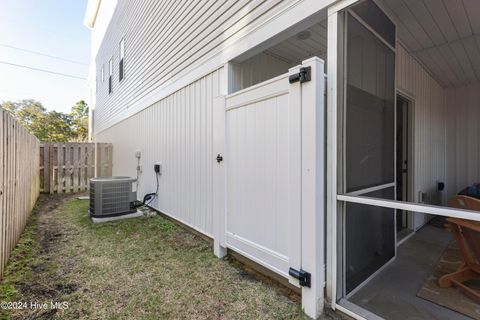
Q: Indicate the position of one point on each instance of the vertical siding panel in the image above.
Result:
(270, 167)
(176, 131)
(208, 152)
(203, 149)
(430, 125)
(183, 156)
(463, 137)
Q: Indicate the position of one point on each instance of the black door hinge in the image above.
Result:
(303, 277)
(304, 75)
(219, 158)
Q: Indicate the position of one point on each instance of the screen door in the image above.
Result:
(369, 142)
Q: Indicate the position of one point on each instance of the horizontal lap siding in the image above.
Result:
(430, 126)
(164, 39)
(176, 131)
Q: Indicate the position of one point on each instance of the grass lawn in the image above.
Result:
(142, 268)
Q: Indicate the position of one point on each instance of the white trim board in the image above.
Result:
(414, 207)
(271, 260)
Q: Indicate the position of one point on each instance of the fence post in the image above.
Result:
(110, 160)
(313, 191)
(51, 168)
(2, 190)
(19, 182)
(219, 183)
(46, 167)
(68, 166)
(98, 160)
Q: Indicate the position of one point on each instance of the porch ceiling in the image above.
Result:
(443, 34)
(306, 44)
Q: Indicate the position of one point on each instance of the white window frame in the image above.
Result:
(121, 60)
(122, 48)
(102, 73)
(336, 200)
(110, 75)
(110, 67)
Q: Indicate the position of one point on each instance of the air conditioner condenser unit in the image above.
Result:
(112, 198)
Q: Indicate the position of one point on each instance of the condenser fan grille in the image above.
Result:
(111, 196)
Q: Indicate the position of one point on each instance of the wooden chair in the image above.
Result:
(467, 235)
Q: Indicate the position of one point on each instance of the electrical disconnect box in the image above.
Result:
(158, 168)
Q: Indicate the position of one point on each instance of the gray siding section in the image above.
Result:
(165, 39)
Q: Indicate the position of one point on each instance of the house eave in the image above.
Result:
(91, 12)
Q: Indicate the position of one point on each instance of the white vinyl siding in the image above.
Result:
(110, 74)
(121, 61)
(168, 38)
(463, 137)
(258, 68)
(122, 49)
(429, 127)
(176, 131)
(110, 67)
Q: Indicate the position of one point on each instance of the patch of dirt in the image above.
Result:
(185, 240)
(46, 285)
(49, 231)
(43, 291)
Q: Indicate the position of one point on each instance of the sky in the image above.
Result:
(49, 27)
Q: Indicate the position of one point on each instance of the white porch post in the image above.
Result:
(219, 186)
(313, 177)
(332, 68)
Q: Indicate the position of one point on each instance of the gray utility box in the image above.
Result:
(112, 196)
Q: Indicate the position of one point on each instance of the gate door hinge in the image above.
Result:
(304, 75)
(303, 277)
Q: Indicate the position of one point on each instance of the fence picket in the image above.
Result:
(2, 211)
(19, 182)
(67, 167)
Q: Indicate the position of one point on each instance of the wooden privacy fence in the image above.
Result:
(19, 182)
(67, 167)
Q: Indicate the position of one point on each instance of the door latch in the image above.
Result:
(304, 75)
(219, 158)
(304, 278)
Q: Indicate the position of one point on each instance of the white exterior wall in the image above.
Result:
(463, 137)
(106, 9)
(176, 131)
(430, 126)
(256, 69)
(166, 39)
(169, 45)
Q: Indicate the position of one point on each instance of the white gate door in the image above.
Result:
(269, 180)
(263, 172)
